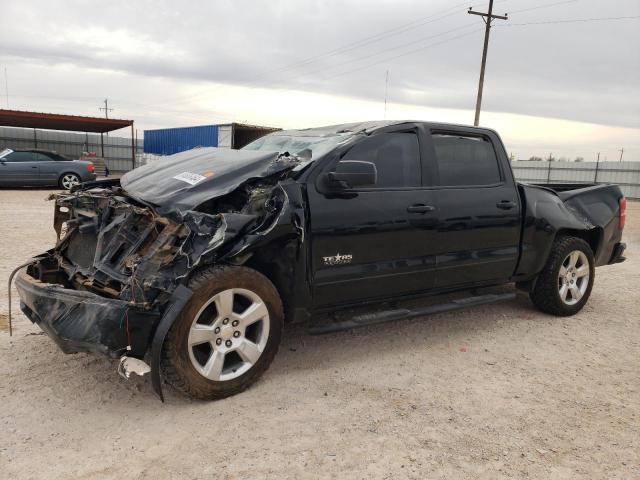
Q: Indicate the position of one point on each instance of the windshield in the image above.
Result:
(281, 142)
(5, 152)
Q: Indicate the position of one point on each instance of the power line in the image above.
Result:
(351, 46)
(381, 52)
(577, 20)
(487, 18)
(376, 37)
(546, 5)
(411, 52)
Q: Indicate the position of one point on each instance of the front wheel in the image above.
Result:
(564, 285)
(227, 335)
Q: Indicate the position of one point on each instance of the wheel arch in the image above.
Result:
(279, 269)
(593, 236)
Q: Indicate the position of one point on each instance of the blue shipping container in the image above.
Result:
(167, 141)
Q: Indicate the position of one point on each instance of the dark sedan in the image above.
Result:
(42, 167)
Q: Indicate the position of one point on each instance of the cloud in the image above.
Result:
(180, 56)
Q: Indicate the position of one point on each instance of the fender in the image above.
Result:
(546, 213)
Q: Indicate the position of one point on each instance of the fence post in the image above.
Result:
(549, 172)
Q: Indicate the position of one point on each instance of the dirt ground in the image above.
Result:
(499, 391)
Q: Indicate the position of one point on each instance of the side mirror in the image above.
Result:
(352, 173)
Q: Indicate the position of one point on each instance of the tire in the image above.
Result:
(210, 364)
(69, 180)
(565, 292)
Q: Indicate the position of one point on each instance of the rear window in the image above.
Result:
(465, 160)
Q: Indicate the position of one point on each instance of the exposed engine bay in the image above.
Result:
(112, 245)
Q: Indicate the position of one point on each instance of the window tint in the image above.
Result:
(465, 160)
(395, 155)
(42, 157)
(19, 157)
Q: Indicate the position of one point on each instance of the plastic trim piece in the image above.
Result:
(181, 295)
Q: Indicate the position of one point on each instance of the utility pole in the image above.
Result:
(6, 86)
(486, 18)
(621, 153)
(386, 89)
(106, 108)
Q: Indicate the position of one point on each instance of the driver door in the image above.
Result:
(18, 168)
(376, 241)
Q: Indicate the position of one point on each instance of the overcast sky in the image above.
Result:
(567, 88)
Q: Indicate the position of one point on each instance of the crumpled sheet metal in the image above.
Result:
(80, 320)
(222, 171)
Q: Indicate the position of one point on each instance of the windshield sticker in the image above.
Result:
(190, 178)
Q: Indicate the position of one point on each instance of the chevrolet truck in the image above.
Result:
(195, 263)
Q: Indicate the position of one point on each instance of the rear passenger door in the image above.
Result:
(376, 241)
(478, 231)
(48, 167)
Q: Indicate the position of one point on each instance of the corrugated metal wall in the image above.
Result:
(168, 141)
(117, 150)
(625, 174)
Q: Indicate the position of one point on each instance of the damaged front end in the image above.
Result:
(116, 277)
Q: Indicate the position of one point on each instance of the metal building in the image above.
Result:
(167, 141)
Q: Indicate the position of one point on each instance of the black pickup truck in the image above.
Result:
(194, 263)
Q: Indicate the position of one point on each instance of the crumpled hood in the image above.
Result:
(183, 181)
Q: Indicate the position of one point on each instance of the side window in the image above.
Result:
(19, 157)
(41, 157)
(396, 157)
(465, 160)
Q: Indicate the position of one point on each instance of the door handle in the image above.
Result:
(506, 204)
(420, 208)
(34, 167)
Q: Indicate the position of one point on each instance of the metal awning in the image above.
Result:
(73, 123)
(54, 121)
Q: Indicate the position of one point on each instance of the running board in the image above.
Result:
(404, 313)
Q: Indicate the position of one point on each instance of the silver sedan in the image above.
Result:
(42, 167)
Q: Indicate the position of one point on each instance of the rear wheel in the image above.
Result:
(565, 283)
(226, 336)
(69, 180)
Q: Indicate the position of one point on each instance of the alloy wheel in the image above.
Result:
(573, 277)
(70, 180)
(228, 334)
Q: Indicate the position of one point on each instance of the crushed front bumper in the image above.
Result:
(81, 321)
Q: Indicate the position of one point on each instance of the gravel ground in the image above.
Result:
(499, 391)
